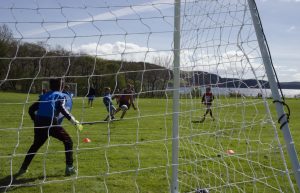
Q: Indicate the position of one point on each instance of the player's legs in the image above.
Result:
(211, 115)
(40, 136)
(123, 114)
(107, 117)
(119, 108)
(112, 111)
(121, 103)
(60, 133)
(207, 110)
(90, 101)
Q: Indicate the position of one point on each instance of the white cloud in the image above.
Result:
(291, 28)
(295, 77)
(109, 15)
(290, 70)
(121, 51)
(230, 64)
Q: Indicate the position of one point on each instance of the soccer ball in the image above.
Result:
(202, 190)
(124, 107)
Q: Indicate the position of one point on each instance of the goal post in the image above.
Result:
(278, 100)
(176, 97)
(249, 15)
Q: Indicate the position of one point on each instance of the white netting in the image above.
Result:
(98, 44)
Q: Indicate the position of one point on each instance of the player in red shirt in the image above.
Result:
(207, 100)
(126, 100)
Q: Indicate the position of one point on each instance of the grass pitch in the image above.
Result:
(135, 154)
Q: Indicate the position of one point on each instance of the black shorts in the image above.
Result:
(45, 127)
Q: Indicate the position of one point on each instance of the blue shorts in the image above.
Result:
(91, 97)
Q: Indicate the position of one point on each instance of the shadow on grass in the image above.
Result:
(10, 183)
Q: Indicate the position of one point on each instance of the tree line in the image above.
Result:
(24, 65)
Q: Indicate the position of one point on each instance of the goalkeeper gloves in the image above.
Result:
(76, 124)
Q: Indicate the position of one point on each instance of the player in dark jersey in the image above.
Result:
(45, 114)
(126, 100)
(91, 96)
(207, 100)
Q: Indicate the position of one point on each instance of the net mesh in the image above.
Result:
(102, 44)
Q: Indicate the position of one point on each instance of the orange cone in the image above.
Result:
(86, 140)
(230, 152)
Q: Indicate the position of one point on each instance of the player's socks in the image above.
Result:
(70, 170)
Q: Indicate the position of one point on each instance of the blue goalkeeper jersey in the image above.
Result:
(49, 104)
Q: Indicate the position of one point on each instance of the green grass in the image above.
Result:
(135, 154)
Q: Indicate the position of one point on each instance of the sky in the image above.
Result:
(143, 31)
(281, 22)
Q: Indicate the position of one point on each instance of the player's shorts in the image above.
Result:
(91, 97)
(121, 103)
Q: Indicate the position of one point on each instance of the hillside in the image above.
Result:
(205, 78)
(290, 85)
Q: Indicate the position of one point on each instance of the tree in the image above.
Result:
(6, 39)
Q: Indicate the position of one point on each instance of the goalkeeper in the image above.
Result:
(45, 114)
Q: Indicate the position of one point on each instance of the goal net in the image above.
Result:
(228, 136)
(72, 87)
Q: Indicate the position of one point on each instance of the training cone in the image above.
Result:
(86, 140)
(230, 152)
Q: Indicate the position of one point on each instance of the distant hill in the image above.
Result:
(204, 78)
(290, 85)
